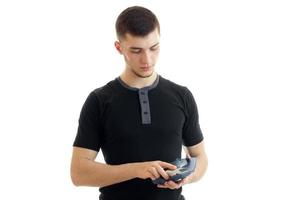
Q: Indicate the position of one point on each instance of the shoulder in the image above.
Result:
(173, 87)
(101, 96)
(105, 92)
(177, 91)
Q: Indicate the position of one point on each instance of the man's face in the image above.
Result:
(140, 53)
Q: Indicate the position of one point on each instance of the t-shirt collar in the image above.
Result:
(150, 87)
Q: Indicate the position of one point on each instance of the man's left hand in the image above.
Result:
(174, 185)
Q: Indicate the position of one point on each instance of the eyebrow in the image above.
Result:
(138, 48)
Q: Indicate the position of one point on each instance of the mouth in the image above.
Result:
(145, 68)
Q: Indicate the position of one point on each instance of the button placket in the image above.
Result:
(145, 108)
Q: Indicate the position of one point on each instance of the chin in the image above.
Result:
(141, 74)
(144, 75)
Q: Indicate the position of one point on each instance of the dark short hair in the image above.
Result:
(137, 21)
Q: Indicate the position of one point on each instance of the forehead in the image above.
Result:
(141, 42)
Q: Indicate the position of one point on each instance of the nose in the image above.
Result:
(146, 58)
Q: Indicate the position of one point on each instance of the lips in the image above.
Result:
(145, 68)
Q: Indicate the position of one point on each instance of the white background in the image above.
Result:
(239, 58)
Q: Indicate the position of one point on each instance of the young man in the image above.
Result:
(139, 120)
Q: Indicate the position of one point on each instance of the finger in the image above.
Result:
(174, 185)
(162, 172)
(162, 186)
(166, 165)
(166, 185)
(154, 173)
(184, 181)
(150, 175)
(163, 166)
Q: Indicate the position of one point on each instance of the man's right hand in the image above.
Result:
(153, 169)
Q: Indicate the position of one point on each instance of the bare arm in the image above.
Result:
(197, 151)
(85, 171)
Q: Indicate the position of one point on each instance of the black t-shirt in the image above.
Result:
(136, 125)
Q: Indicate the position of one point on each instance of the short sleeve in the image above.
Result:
(89, 134)
(192, 133)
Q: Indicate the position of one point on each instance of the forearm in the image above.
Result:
(200, 169)
(91, 173)
(85, 171)
(197, 151)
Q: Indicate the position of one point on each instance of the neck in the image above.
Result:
(138, 82)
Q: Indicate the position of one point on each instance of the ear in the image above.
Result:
(118, 47)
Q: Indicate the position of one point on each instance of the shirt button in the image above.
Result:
(144, 101)
(145, 113)
(142, 93)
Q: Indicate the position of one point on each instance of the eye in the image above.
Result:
(135, 51)
(154, 48)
